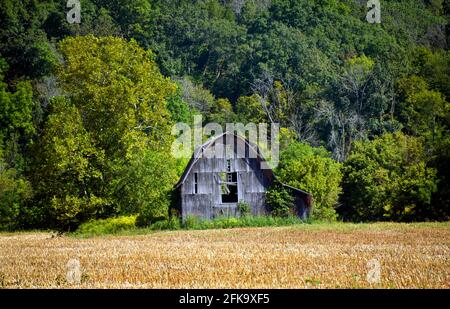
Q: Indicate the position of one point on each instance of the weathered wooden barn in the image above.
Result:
(219, 176)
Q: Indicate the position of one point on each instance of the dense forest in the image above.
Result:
(86, 110)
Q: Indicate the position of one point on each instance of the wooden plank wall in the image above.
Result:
(252, 185)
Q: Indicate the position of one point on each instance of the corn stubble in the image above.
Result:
(286, 257)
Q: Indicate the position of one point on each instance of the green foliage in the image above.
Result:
(126, 225)
(422, 110)
(221, 112)
(15, 191)
(16, 130)
(16, 109)
(69, 211)
(356, 76)
(191, 222)
(194, 223)
(280, 202)
(102, 150)
(312, 170)
(316, 67)
(178, 108)
(173, 223)
(198, 98)
(23, 41)
(244, 208)
(120, 103)
(434, 67)
(249, 109)
(388, 179)
(106, 226)
(16, 121)
(145, 186)
(441, 162)
(69, 168)
(3, 68)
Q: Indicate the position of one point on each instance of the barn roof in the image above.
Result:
(252, 147)
(201, 149)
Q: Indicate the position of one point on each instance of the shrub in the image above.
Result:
(191, 222)
(107, 226)
(173, 223)
(279, 201)
(127, 224)
(70, 211)
(244, 208)
(195, 223)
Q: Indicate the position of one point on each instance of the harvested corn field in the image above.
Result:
(304, 256)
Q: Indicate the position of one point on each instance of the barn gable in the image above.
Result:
(218, 176)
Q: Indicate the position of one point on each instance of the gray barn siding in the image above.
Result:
(198, 205)
(252, 182)
(207, 203)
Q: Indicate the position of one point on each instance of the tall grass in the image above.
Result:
(194, 223)
(107, 226)
(127, 225)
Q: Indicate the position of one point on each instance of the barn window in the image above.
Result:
(195, 183)
(229, 188)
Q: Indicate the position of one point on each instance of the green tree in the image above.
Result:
(23, 41)
(149, 181)
(119, 91)
(388, 179)
(108, 137)
(434, 67)
(178, 108)
(312, 169)
(221, 112)
(131, 16)
(357, 73)
(16, 127)
(15, 191)
(422, 111)
(198, 98)
(68, 175)
(16, 110)
(249, 109)
(16, 120)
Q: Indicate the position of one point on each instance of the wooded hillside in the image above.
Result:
(86, 110)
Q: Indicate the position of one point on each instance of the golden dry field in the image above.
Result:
(305, 256)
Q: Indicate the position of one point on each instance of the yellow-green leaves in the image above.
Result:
(387, 178)
(117, 88)
(312, 170)
(105, 144)
(422, 110)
